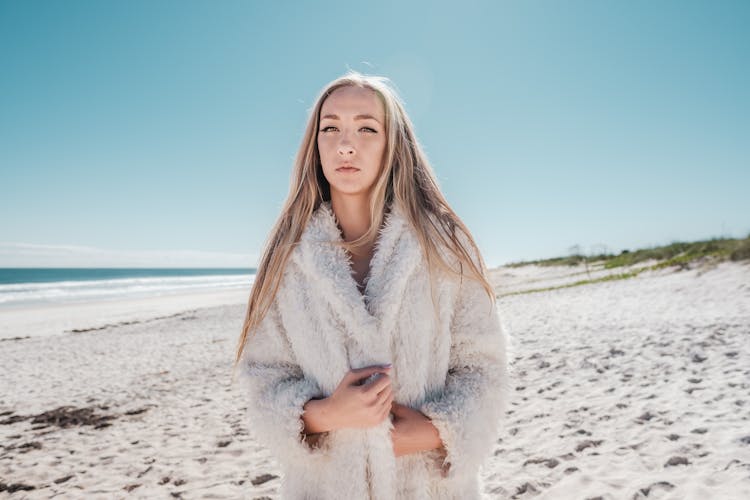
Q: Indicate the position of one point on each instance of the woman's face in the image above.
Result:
(351, 132)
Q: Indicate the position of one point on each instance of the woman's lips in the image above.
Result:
(347, 169)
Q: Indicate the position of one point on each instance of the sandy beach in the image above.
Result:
(624, 389)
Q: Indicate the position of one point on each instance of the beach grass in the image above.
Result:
(681, 255)
(675, 254)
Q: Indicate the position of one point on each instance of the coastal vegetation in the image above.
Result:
(678, 254)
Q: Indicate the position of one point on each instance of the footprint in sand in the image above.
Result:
(676, 461)
(263, 478)
(549, 462)
(587, 444)
(659, 485)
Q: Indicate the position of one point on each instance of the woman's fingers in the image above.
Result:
(358, 375)
(387, 404)
(384, 397)
(385, 413)
(380, 382)
(359, 404)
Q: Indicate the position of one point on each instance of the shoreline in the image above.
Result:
(57, 319)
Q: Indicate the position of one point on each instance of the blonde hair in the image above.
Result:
(406, 178)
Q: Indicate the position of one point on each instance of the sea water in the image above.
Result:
(35, 286)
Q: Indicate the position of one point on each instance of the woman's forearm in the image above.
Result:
(429, 437)
(421, 436)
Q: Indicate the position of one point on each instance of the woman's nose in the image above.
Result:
(345, 148)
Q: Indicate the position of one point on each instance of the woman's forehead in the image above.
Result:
(352, 100)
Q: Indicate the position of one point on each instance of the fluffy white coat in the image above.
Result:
(453, 369)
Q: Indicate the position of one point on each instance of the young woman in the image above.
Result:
(372, 355)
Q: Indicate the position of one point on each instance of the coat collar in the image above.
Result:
(396, 256)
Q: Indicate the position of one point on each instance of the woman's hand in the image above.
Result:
(412, 431)
(358, 405)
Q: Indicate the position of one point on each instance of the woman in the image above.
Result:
(368, 266)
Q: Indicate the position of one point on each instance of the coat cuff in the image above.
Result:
(275, 413)
(466, 415)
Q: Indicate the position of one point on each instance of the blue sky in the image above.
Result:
(163, 133)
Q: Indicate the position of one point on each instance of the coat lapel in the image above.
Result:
(366, 320)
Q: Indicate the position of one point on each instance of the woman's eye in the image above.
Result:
(325, 129)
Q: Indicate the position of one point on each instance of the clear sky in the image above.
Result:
(162, 133)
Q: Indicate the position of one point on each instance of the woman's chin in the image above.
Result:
(348, 190)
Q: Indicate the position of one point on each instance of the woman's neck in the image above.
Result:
(353, 215)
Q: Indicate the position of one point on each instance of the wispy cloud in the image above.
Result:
(14, 254)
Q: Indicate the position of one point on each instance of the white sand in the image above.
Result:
(614, 381)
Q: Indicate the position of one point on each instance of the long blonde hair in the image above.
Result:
(406, 178)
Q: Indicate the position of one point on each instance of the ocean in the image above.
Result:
(35, 286)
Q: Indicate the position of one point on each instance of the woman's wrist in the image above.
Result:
(317, 416)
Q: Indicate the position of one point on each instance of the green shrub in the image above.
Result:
(742, 251)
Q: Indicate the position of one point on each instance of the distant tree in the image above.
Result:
(575, 251)
(578, 254)
(600, 249)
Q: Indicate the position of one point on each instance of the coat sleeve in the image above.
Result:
(468, 409)
(276, 390)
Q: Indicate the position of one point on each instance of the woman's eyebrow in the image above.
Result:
(358, 117)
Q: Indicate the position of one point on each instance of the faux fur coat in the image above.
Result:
(452, 368)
